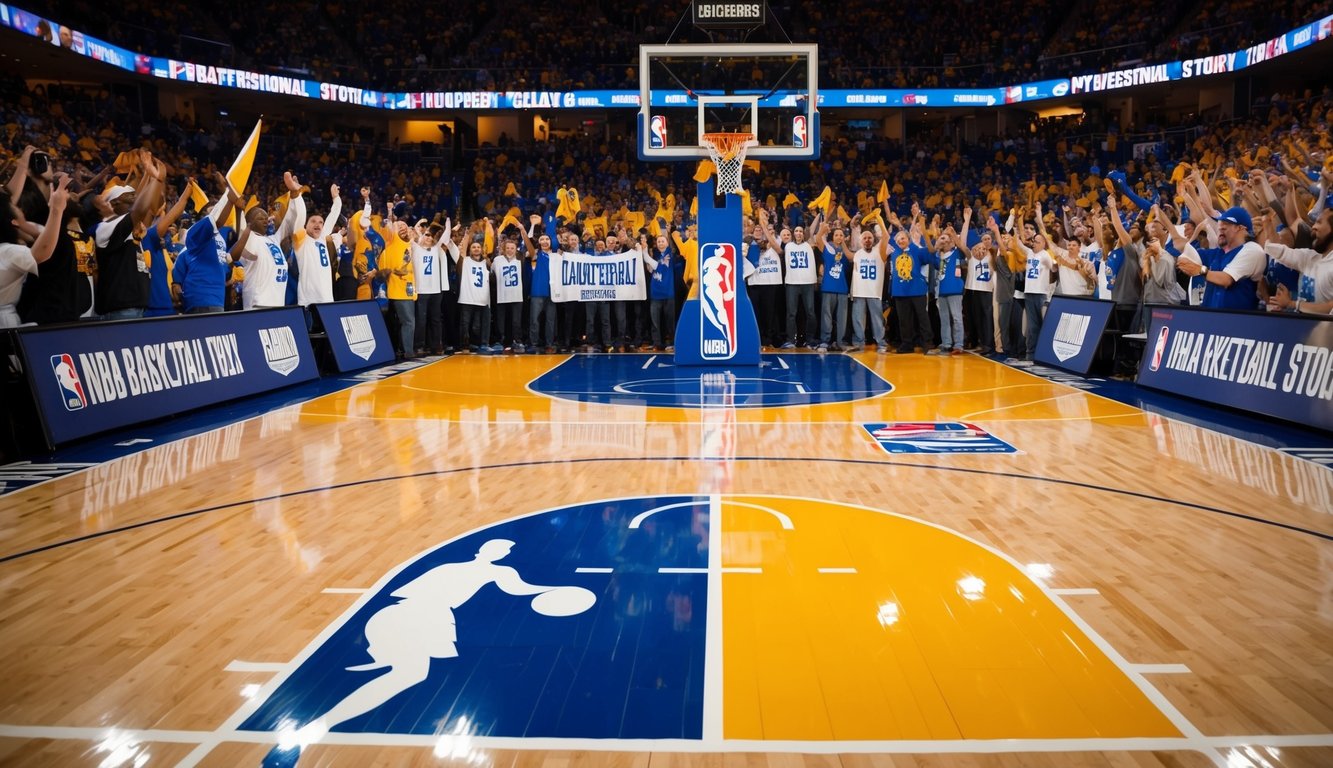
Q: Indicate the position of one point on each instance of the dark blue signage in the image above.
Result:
(1071, 332)
(357, 333)
(1276, 364)
(95, 377)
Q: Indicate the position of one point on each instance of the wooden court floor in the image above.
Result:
(1124, 589)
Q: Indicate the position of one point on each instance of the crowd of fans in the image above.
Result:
(452, 45)
(981, 228)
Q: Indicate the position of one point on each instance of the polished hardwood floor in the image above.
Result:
(1130, 590)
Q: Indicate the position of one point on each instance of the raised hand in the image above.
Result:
(333, 191)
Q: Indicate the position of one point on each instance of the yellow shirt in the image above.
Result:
(398, 255)
(689, 251)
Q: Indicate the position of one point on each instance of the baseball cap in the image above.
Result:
(1239, 216)
(117, 191)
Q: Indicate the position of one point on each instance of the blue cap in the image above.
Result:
(1238, 216)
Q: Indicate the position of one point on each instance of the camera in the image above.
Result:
(40, 163)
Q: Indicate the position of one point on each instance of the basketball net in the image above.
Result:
(727, 151)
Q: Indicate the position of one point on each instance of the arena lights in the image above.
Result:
(78, 43)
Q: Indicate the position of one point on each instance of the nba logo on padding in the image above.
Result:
(800, 132)
(1159, 349)
(717, 300)
(67, 378)
(657, 132)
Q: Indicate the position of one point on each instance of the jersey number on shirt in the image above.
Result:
(509, 273)
(478, 278)
(799, 261)
(1034, 269)
(323, 255)
(428, 264)
(868, 271)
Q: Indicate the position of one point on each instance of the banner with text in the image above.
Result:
(94, 377)
(79, 43)
(1276, 364)
(580, 277)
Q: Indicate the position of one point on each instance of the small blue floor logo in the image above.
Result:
(936, 437)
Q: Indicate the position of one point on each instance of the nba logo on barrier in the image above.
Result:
(67, 378)
(717, 301)
(799, 131)
(657, 132)
(1159, 349)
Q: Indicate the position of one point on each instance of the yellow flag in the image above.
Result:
(563, 210)
(883, 193)
(197, 196)
(506, 221)
(634, 221)
(694, 207)
(509, 190)
(746, 206)
(596, 225)
(753, 165)
(125, 162)
(654, 226)
(842, 214)
(876, 215)
(488, 242)
(239, 174)
(251, 203)
(823, 202)
(864, 201)
(771, 201)
(705, 170)
(789, 200)
(574, 204)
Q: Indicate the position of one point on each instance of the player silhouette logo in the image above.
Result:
(67, 378)
(717, 300)
(403, 637)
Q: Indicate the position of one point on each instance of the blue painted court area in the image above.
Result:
(492, 660)
(653, 380)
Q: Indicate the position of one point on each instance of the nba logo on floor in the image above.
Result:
(799, 131)
(67, 378)
(717, 301)
(936, 437)
(1159, 349)
(657, 132)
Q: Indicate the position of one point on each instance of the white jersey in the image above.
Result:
(1072, 282)
(508, 279)
(980, 276)
(1038, 281)
(769, 269)
(428, 264)
(867, 274)
(800, 260)
(474, 279)
(313, 258)
(1316, 281)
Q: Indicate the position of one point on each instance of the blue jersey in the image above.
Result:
(662, 284)
(159, 291)
(202, 269)
(541, 276)
(951, 273)
(1243, 293)
(907, 267)
(835, 271)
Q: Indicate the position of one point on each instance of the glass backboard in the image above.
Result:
(770, 90)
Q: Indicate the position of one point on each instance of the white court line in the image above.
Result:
(783, 363)
(594, 570)
(1076, 591)
(255, 666)
(712, 710)
(941, 746)
(345, 591)
(801, 388)
(682, 570)
(1161, 669)
(837, 570)
(649, 362)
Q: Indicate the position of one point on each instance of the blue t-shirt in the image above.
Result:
(951, 273)
(835, 271)
(541, 276)
(159, 292)
(906, 267)
(202, 269)
(1243, 293)
(662, 283)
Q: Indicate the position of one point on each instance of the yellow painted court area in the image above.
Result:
(870, 626)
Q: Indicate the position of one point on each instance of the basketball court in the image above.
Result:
(769, 579)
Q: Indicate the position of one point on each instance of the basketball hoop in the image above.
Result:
(727, 151)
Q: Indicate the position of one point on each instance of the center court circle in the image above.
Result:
(655, 381)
